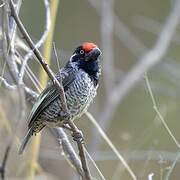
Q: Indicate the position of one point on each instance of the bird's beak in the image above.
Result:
(93, 54)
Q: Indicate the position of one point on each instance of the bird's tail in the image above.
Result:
(25, 140)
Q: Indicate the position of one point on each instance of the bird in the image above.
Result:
(80, 80)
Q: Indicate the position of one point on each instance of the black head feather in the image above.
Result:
(88, 61)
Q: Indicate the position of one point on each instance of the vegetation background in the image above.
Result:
(125, 30)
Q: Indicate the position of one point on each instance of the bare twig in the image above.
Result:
(56, 56)
(12, 66)
(4, 162)
(172, 166)
(158, 112)
(4, 82)
(12, 27)
(39, 43)
(111, 145)
(67, 149)
(95, 165)
(56, 82)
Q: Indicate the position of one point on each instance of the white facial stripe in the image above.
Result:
(72, 56)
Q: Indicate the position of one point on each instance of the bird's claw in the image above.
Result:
(78, 136)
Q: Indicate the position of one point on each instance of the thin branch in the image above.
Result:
(95, 165)
(67, 149)
(58, 86)
(172, 166)
(111, 145)
(4, 162)
(39, 43)
(155, 107)
(3, 71)
(56, 56)
(4, 82)
(13, 27)
(12, 66)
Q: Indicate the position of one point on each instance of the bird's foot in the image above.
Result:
(78, 136)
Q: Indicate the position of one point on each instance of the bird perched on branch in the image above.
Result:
(80, 79)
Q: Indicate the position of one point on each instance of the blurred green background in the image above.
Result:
(134, 128)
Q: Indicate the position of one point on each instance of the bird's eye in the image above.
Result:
(81, 51)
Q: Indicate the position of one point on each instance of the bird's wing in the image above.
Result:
(50, 94)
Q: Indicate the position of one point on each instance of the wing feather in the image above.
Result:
(50, 94)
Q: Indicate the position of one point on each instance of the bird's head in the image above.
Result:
(87, 52)
(87, 58)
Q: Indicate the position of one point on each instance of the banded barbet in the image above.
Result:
(80, 79)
